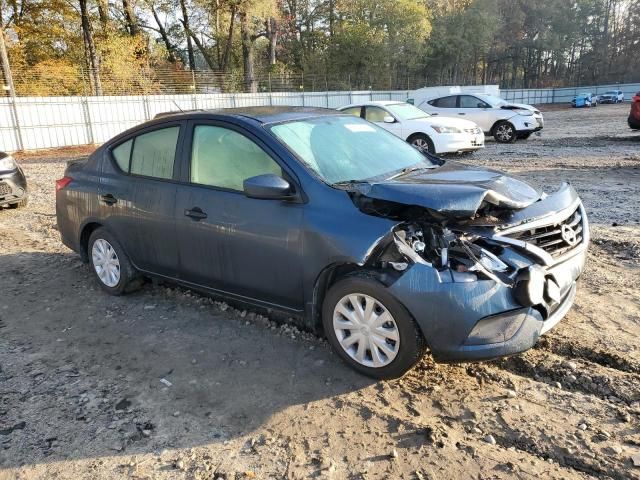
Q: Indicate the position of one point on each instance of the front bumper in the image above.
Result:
(484, 319)
(527, 123)
(459, 142)
(13, 187)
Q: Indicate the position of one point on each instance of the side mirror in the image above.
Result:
(389, 119)
(268, 187)
(481, 105)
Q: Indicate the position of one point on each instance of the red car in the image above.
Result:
(634, 114)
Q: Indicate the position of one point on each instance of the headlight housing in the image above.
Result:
(8, 163)
(467, 257)
(443, 129)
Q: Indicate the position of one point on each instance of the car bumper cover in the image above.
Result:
(13, 188)
(483, 319)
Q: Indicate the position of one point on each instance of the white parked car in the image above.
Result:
(505, 121)
(430, 134)
(612, 96)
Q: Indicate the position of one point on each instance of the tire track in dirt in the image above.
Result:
(572, 350)
(523, 436)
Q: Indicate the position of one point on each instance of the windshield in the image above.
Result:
(404, 111)
(345, 148)
(610, 93)
(491, 100)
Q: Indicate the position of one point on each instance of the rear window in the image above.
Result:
(154, 153)
(445, 102)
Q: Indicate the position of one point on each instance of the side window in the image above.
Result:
(224, 158)
(355, 111)
(122, 154)
(445, 102)
(154, 153)
(469, 101)
(375, 114)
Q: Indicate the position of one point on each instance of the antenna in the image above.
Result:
(176, 104)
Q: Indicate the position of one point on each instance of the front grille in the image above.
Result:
(555, 239)
(5, 189)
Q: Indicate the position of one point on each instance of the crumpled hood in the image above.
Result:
(521, 106)
(453, 190)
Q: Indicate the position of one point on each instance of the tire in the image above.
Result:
(422, 142)
(406, 351)
(125, 278)
(21, 204)
(504, 132)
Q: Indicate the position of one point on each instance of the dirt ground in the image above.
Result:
(167, 384)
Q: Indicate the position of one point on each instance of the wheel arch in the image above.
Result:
(85, 233)
(499, 121)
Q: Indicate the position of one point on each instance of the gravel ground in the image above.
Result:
(167, 384)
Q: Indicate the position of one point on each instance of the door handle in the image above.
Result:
(434, 114)
(460, 113)
(109, 199)
(196, 213)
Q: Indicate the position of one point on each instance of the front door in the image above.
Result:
(226, 241)
(477, 110)
(377, 116)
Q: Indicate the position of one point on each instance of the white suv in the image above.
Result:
(506, 122)
(423, 131)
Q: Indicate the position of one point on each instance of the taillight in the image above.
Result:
(63, 182)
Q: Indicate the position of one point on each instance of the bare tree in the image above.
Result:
(91, 55)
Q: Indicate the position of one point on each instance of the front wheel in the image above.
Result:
(369, 329)
(504, 132)
(422, 143)
(110, 264)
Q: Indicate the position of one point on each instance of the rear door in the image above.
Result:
(226, 241)
(137, 195)
(443, 106)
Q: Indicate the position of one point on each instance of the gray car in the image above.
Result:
(336, 223)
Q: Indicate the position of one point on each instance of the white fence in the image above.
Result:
(29, 123)
(537, 96)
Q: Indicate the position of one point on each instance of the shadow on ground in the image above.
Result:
(84, 375)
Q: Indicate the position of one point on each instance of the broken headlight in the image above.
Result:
(467, 257)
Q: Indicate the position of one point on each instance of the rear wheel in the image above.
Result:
(369, 329)
(504, 132)
(110, 264)
(422, 142)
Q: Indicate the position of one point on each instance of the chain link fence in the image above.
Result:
(71, 81)
(40, 120)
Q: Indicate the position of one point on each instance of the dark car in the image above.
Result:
(335, 222)
(634, 114)
(13, 184)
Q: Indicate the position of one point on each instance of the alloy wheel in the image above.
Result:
(421, 144)
(504, 132)
(366, 330)
(105, 262)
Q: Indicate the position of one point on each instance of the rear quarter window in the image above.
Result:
(122, 155)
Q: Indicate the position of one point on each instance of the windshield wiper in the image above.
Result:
(407, 170)
(344, 183)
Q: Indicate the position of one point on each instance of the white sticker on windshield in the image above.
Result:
(359, 127)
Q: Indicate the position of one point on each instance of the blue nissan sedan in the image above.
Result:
(332, 220)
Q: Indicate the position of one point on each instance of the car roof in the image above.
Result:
(266, 114)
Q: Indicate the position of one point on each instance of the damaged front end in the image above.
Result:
(489, 285)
